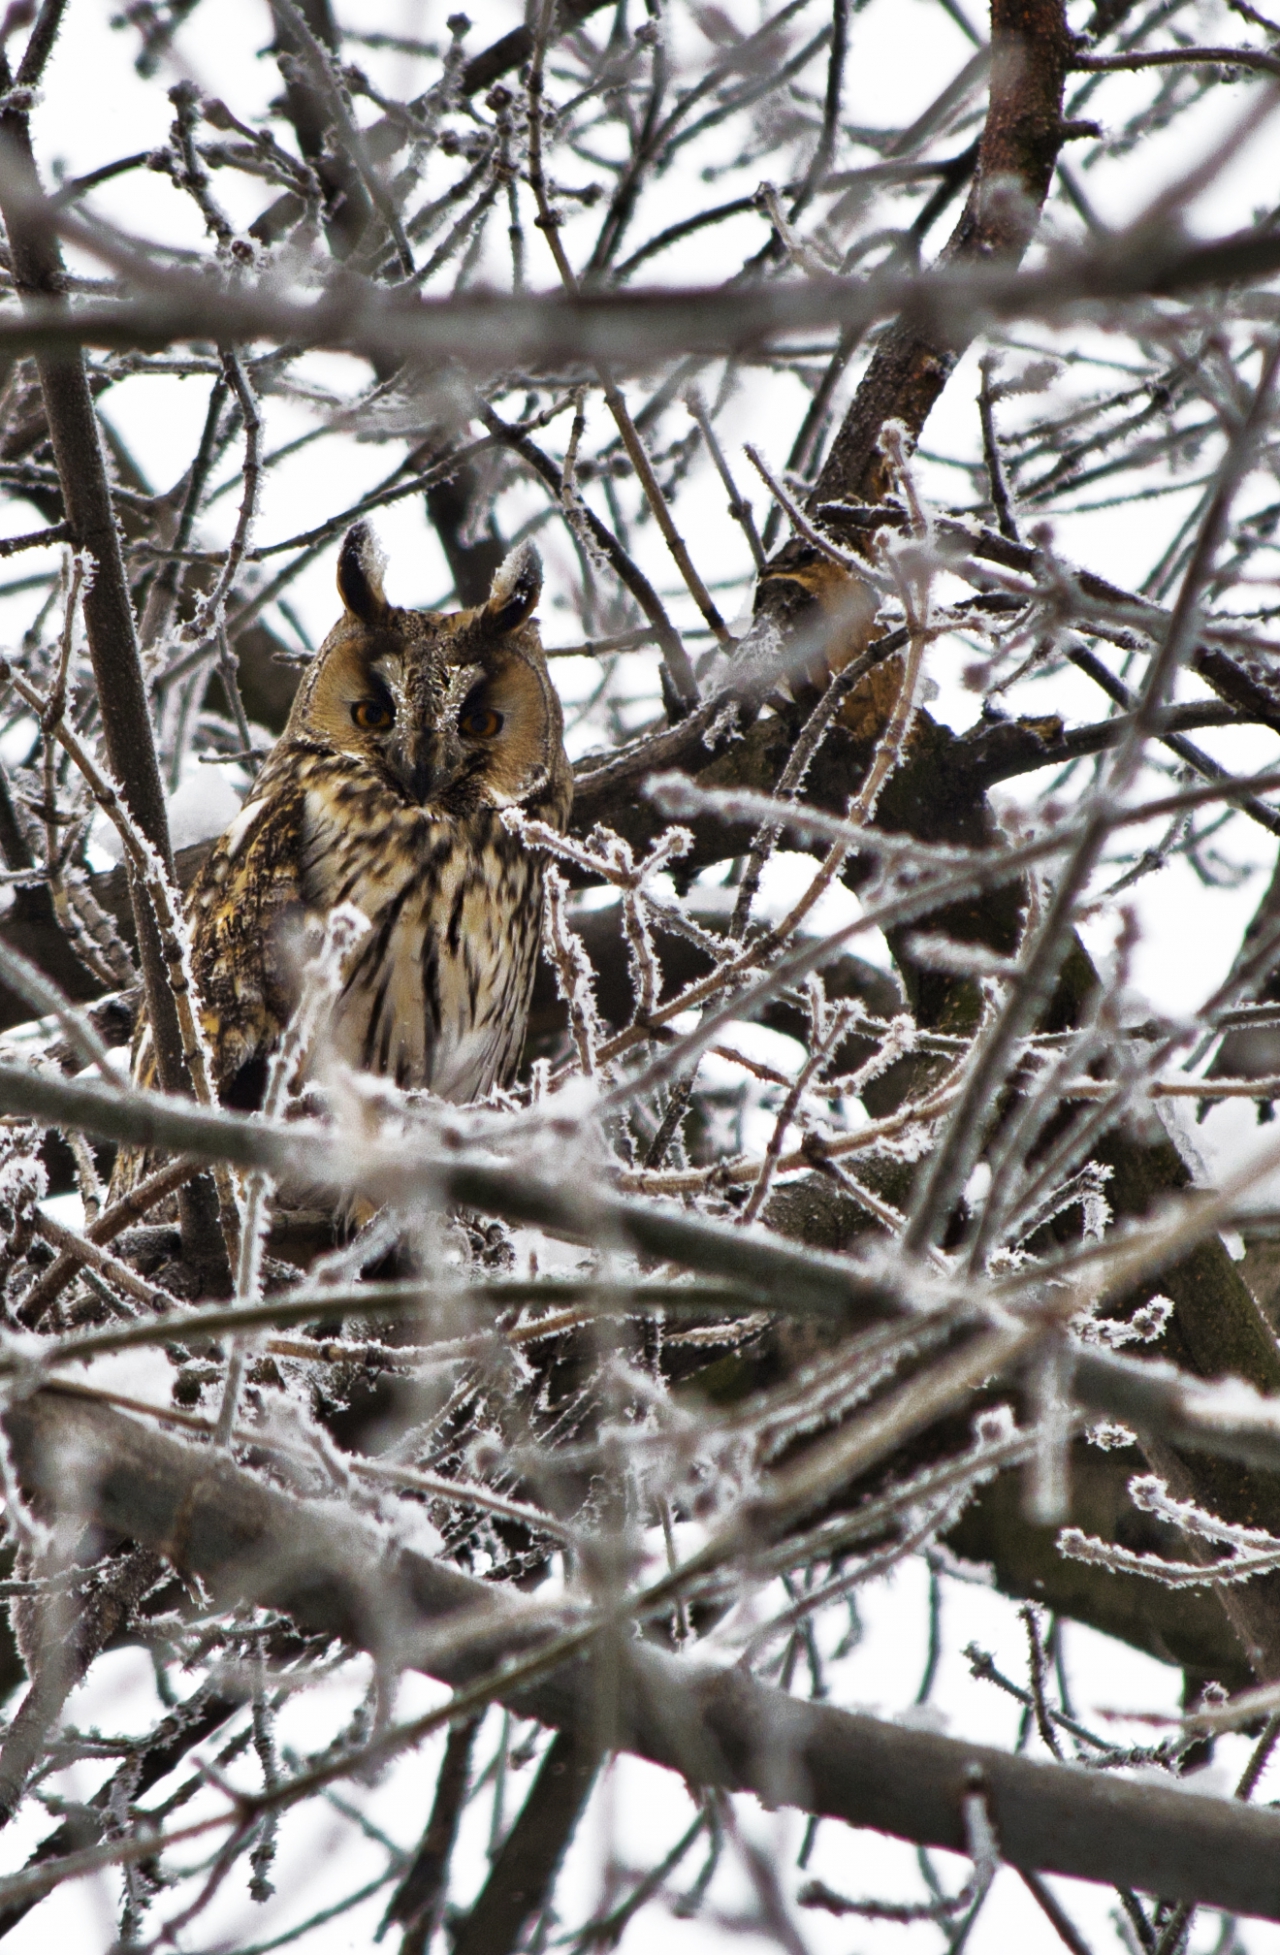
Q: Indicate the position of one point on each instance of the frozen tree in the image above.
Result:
(892, 393)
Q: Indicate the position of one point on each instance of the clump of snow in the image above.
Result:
(206, 801)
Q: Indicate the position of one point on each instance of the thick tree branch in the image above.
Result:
(1233, 1338)
(334, 1576)
(1031, 49)
(491, 333)
(1030, 52)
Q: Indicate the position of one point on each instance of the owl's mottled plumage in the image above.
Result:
(409, 735)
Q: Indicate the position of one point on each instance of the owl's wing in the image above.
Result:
(246, 913)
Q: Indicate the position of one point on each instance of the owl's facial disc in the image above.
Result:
(514, 717)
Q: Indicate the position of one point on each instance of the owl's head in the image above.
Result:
(456, 709)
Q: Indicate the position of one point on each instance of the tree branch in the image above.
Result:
(1030, 52)
(492, 333)
(521, 1877)
(419, 1897)
(108, 612)
(333, 1575)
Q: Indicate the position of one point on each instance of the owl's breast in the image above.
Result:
(438, 996)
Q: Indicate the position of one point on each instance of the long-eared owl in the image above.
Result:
(410, 734)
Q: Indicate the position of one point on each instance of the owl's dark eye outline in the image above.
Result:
(372, 715)
(482, 723)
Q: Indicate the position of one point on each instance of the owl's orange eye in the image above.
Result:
(482, 724)
(371, 716)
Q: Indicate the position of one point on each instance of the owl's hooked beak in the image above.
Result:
(426, 763)
(425, 752)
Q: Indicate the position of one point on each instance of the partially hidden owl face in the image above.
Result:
(456, 709)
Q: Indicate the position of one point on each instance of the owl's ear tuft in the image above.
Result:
(361, 562)
(516, 588)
